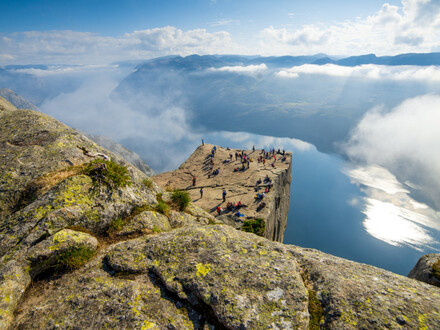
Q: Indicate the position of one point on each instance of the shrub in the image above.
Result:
(108, 172)
(74, 258)
(181, 199)
(256, 226)
(147, 183)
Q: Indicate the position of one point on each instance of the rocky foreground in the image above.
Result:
(87, 242)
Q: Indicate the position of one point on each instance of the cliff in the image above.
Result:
(89, 241)
(240, 186)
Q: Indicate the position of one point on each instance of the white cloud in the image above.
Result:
(241, 69)
(368, 71)
(226, 22)
(88, 48)
(413, 26)
(404, 140)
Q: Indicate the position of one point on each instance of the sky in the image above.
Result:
(102, 32)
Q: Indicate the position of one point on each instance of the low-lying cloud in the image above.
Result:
(367, 71)
(249, 69)
(404, 140)
(161, 136)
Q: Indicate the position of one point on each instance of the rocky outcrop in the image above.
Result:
(241, 186)
(427, 269)
(216, 275)
(88, 237)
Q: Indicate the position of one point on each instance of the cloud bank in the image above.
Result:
(404, 140)
(368, 71)
(412, 27)
(249, 69)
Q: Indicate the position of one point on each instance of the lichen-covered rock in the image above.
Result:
(360, 296)
(150, 221)
(14, 280)
(427, 269)
(17, 274)
(181, 219)
(94, 298)
(240, 277)
(228, 271)
(45, 254)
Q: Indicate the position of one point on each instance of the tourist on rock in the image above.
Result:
(201, 193)
(194, 181)
(224, 195)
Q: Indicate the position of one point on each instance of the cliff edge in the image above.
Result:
(89, 241)
(242, 181)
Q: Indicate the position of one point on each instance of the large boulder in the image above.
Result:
(427, 269)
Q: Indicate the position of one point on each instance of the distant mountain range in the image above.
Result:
(197, 62)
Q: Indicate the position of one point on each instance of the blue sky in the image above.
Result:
(93, 32)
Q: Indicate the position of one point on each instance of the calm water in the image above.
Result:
(323, 217)
(331, 213)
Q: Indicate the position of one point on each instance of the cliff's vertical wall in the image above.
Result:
(276, 220)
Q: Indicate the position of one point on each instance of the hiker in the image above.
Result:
(219, 210)
(201, 193)
(224, 195)
(203, 142)
(194, 181)
(253, 148)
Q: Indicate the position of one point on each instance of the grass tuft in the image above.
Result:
(74, 258)
(108, 172)
(147, 183)
(181, 199)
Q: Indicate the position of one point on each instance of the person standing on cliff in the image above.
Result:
(224, 195)
(194, 181)
(201, 193)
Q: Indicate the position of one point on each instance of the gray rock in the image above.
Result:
(427, 269)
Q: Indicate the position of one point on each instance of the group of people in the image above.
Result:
(245, 160)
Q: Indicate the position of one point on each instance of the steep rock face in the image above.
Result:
(279, 207)
(240, 186)
(427, 269)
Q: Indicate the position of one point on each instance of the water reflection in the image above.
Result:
(391, 215)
